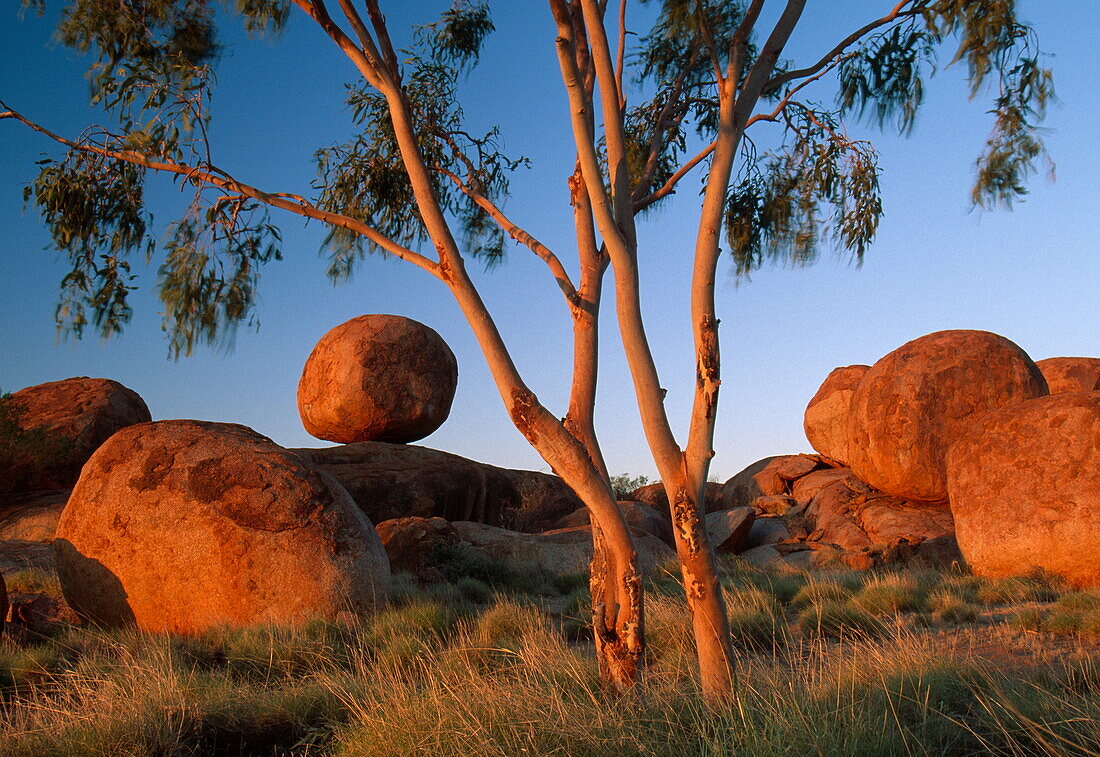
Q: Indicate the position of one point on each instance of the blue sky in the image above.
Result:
(1030, 274)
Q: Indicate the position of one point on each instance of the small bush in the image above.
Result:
(623, 484)
(1017, 589)
(33, 580)
(837, 620)
(889, 595)
(1031, 619)
(755, 629)
(947, 607)
(821, 592)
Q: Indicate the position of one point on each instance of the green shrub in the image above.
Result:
(1031, 619)
(1017, 589)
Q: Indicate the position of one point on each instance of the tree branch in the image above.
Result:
(217, 178)
(520, 235)
(365, 59)
(782, 105)
(669, 187)
(897, 12)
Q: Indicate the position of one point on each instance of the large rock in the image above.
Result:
(67, 420)
(729, 529)
(377, 378)
(400, 480)
(31, 516)
(1025, 489)
(654, 495)
(416, 545)
(741, 489)
(1071, 374)
(567, 550)
(826, 418)
(916, 401)
(778, 476)
(184, 525)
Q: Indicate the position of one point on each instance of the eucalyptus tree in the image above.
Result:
(646, 109)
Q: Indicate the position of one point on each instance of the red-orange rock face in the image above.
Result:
(1071, 374)
(826, 419)
(184, 525)
(916, 401)
(1025, 489)
(377, 378)
(83, 412)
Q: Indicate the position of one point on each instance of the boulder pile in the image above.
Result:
(959, 434)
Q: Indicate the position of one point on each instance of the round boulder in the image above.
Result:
(61, 424)
(1071, 374)
(826, 418)
(377, 378)
(913, 403)
(183, 525)
(1025, 489)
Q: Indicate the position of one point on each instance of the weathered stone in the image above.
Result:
(913, 403)
(185, 525)
(39, 614)
(1071, 374)
(852, 517)
(775, 504)
(654, 495)
(638, 516)
(75, 416)
(377, 378)
(766, 530)
(763, 556)
(803, 489)
(402, 480)
(557, 552)
(776, 476)
(31, 516)
(741, 489)
(415, 545)
(826, 418)
(729, 529)
(1025, 489)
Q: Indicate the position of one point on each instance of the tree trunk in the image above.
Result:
(699, 570)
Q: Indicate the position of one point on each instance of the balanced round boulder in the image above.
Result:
(1025, 489)
(377, 378)
(826, 418)
(184, 525)
(1071, 374)
(61, 424)
(913, 403)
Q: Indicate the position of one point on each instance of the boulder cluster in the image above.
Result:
(954, 448)
(964, 424)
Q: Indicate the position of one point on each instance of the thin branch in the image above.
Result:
(356, 21)
(520, 235)
(366, 58)
(669, 187)
(657, 137)
(897, 12)
(620, 54)
(708, 38)
(378, 21)
(782, 104)
(217, 178)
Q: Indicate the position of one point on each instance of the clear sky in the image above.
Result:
(1031, 274)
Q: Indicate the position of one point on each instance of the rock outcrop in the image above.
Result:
(567, 550)
(400, 480)
(31, 516)
(185, 525)
(638, 516)
(741, 489)
(377, 378)
(826, 418)
(654, 495)
(1025, 489)
(68, 420)
(917, 400)
(729, 529)
(1071, 374)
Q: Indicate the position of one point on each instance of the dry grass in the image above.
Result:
(453, 671)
